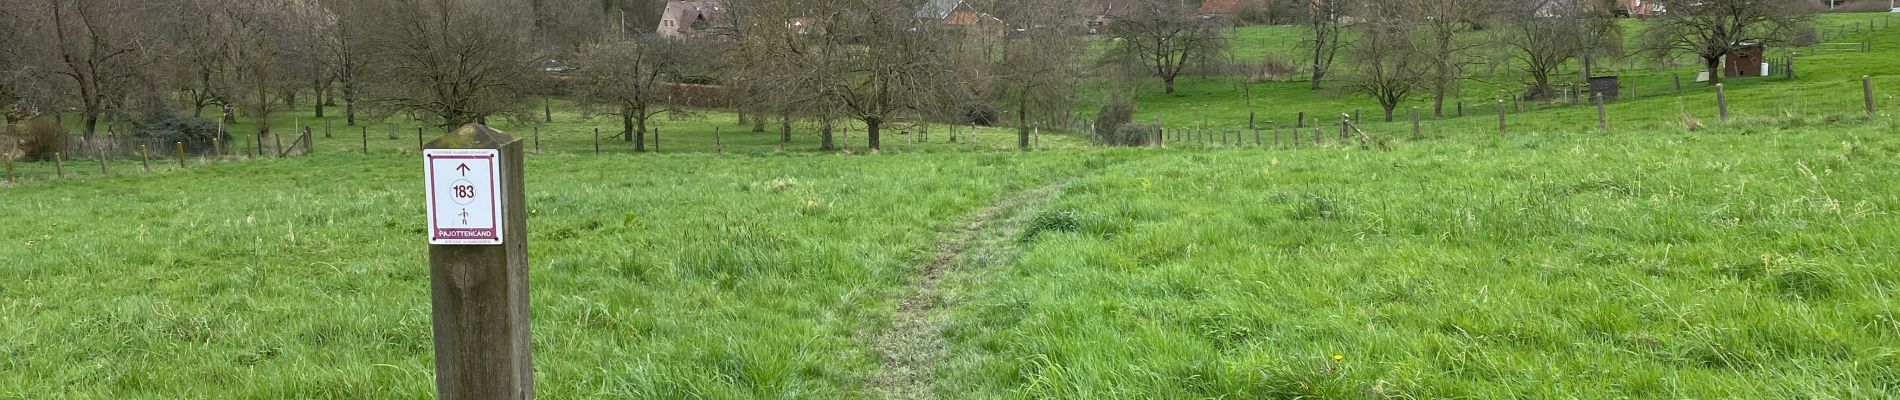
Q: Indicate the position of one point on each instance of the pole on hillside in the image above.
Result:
(1867, 92)
(309, 142)
(145, 158)
(1250, 122)
(1036, 132)
(1721, 101)
(1416, 133)
(1301, 122)
(1500, 117)
(59, 165)
(1295, 137)
(478, 268)
(326, 129)
(656, 140)
(1461, 109)
(1256, 135)
(278, 140)
(1603, 117)
(181, 154)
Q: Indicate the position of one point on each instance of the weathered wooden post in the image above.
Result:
(181, 154)
(656, 140)
(274, 138)
(1677, 79)
(1500, 117)
(10, 168)
(1721, 101)
(719, 145)
(419, 145)
(478, 265)
(365, 139)
(1036, 133)
(326, 129)
(1461, 109)
(1345, 121)
(145, 158)
(1867, 92)
(250, 153)
(59, 165)
(309, 142)
(537, 140)
(1256, 135)
(1415, 127)
(216, 149)
(102, 163)
(1603, 117)
(597, 141)
(1296, 137)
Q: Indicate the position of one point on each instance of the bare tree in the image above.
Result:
(1441, 25)
(1165, 35)
(1388, 62)
(452, 62)
(1325, 30)
(871, 61)
(1545, 34)
(1712, 29)
(99, 47)
(1040, 69)
(624, 77)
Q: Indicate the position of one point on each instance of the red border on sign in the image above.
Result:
(494, 201)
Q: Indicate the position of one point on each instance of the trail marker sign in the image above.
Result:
(464, 196)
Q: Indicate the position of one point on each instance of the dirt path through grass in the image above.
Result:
(914, 344)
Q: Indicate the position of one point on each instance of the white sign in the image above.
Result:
(464, 196)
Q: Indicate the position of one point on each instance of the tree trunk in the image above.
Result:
(824, 134)
(784, 130)
(871, 126)
(1022, 122)
(349, 110)
(1388, 111)
(1167, 82)
(640, 135)
(1714, 65)
(92, 123)
(758, 123)
(318, 85)
(626, 127)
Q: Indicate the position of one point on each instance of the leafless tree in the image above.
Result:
(1325, 29)
(1165, 35)
(625, 78)
(1040, 65)
(1442, 25)
(1545, 34)
(1389, 59)
(451, 62)
(101, 49)
(1712, 29)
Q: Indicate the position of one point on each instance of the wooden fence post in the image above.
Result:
(250, 152)
(9, 168)
(216, 148)
(309, 142)
(1867, 92)
(597, 141)
(180, 146)
(145, 158)
(719, 144)
(365, 139)
(419, 145)
(1295, 137)
(1256, 135)
(1721, 101)
(1036, 133)
(1677, 79)
(1415, 127)
(656, 140)
(1461, 109)
(1603, 118)
(274, 138)
(1500, 117)
(478, 293)
(1345, 123)
(537, 140)
(59, 165)
(102, 163)
(1301, 122)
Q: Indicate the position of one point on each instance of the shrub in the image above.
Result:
(980, 114)
(43, 138)
(1131, 135)
(1050, 221)
(1113, 115)
(168, 127)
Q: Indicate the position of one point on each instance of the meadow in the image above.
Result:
(1750, 258)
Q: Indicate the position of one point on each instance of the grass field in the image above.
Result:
(1746, 259)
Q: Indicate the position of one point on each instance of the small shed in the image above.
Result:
(1608, 86)
(1744, 62)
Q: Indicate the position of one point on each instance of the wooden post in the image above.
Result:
(102, 164)
(1517, 103)
(1500, 117)
(547, 108)
(537, 140)
(1296, 137)
(250, 152)
(1345, 124)
(274, 138)
(1721, 101)
(145, 158)
(215, 148)
(1603, 117)
(419, 145)
(365, 139)
(9, 168)
(326, 129)
(1677, 79)
(479, 293)
(1461, 109)
(309, 141)
(1256, 136)
(656, 140)
(181, 154)
(597, 141)
(1301, 122)
(1036, 133)
(1867, 92)
(719, 145)
(59, 165)
(1415, 127)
